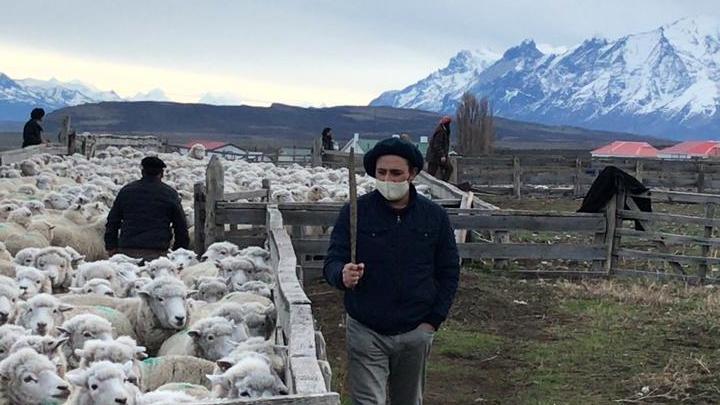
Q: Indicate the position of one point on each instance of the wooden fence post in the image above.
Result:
(214, 192)
(611, 265)
(266, 186)
(72, 143)
(705, 249)
(701, 178)
(317, 152)
(611, 221)
(199, 201)
(455, 175)
(516, 177)
(577, 192)
(639, 170)
(64, 130)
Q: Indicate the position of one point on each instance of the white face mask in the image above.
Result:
(392, 191)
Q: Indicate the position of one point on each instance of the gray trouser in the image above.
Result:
(377, 361)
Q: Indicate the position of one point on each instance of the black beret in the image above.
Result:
(393, 146)
(153, 162)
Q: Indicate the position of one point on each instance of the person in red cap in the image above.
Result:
(438, 150)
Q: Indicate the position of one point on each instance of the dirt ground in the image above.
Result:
(511, 341)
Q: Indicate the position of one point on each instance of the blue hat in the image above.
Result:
(393, 146)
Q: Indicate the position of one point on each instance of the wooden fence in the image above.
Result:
(543, 174)
(582, 244)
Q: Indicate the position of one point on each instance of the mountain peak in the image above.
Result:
(527, 49)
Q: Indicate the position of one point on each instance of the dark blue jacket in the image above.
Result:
(411, 263)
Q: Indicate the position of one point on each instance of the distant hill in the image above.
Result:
(286, 123)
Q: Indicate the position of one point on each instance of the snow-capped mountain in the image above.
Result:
(664, 82)
(19, 97)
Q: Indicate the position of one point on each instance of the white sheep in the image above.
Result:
(235, 270)
(45, 345)
(41, 314)
(25, 257)
(209, 338)
(131, 288)
(276, 354)
(183, 258)
(259, 318)
(29, 378)
(101, 269)
(255, 287)
(121, 258)
(95, 286)
(9, 295)
(32, 282)
(210, 289)
(251, 377)
(159, 312)
(9, 334)
(158, 371)
(161, 267)
(121, 350)
(189, 275)
(220, 250)
(197, 151)
(57, 264)
(57, 201)
(81, 328)
(103, 383)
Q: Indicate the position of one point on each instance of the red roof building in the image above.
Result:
(691, 149)
(626, 149)
(209, 145)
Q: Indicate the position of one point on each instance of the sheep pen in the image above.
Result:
(106, 318)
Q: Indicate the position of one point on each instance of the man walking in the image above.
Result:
(32, 132)
(439, 149)
(143, 211)
(403, 284)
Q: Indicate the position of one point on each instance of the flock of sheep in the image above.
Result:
(78, 327)
(112, 332)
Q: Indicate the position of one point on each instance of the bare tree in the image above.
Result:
(475, 125)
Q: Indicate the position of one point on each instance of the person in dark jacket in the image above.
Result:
(438, 150)
(32, 132)
(327, 139)
(143, 211)
(403, 284)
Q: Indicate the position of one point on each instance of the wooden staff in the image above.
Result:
(353, 206)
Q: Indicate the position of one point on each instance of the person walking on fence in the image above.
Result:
(143, 211)
(438, 150)
(32, 132)
(403, 284)
(327, 139)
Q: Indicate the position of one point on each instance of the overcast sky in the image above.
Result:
(305, 52)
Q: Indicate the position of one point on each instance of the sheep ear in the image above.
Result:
(140, 352)
(76, 377)
(65, 307)
(224, 364)
(191, 292)
(58, 342)
(144, 294)
(219, 265)
(216, 379)
(195, 334)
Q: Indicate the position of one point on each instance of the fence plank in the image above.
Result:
(641, 254)
(531, 251)
(675, 218)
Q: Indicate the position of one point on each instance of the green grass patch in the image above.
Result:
(466, 344)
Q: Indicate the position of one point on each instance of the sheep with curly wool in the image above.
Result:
(160, 311)
(29, 168)
(198, 392)
(183, 258)
(259, 318)
(36, 207)
(21, 216)
(121, 258)
(101, 269)
(260, 288)
(45, 345)
(29, 378)
(79, 329)
(276, 354)
(235, 270)
(210, 289)
(161, 267)
(103, 383)
(76, 258)
(95, 286)
(6, 209)
(209, 338)
(57, 264)
(9, 296)
(25, 257)
(158, 371)
(121, 350)
(197, 151)
(41, 314)
(9, 334)
(131, 288)
(251, 377)
(219, 250)
(32, 282)
(170, 396)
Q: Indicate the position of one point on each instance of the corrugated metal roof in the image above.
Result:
(626, 149)
(692, 148)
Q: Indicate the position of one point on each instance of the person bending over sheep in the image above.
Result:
(143, 212)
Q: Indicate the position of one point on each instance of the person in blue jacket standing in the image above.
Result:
(404, 283)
